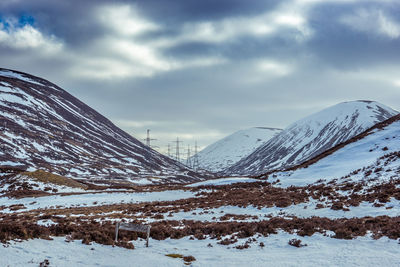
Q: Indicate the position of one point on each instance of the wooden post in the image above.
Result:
(148, 235)
(116, 231)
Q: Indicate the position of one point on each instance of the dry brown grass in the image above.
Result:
(46, 177)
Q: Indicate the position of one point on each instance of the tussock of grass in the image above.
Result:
(187, 259)
(175, 256)
(46, 177)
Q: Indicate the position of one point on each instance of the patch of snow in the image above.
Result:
(225, 181)
(15, 75)
(10, 163)
(142, 181)
(47, 222)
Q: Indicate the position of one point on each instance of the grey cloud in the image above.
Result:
(331, 65)
(176, 12)
(343, 47)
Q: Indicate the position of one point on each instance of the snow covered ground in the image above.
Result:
(320, 251)
(303, 210)
(225, 181)
(96, 199)
(41, 186)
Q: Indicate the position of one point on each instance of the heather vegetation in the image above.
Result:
(97, 224)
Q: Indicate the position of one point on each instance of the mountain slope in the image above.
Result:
(44, 127)
(231, 149)
(313, 135)
(372, 155)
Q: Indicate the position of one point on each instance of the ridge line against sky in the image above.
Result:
(202, 70)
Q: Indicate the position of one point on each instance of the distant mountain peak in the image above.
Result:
(234, 147)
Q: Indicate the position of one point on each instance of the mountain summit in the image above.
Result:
(44, 127)
(313, 135)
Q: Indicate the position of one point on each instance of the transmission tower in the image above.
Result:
(188, 159)
(148, 139)
(195, 163)
(177, 156)
(169, 150)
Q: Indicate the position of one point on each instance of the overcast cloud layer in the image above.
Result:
(203, 69)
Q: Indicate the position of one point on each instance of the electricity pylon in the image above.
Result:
(188, 159)
(177, 156)
(148, 139)
(169, 150)
(195, 163)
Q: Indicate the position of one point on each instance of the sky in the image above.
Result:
(200, 70)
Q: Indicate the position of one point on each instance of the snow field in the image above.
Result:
(225, 181)
(93, 199)
(303, 210)
(320, 251)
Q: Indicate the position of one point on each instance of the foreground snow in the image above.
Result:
(320, 251)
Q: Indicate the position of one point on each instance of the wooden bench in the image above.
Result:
(133, 227)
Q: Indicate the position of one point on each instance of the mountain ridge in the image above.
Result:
(312, 135)
(45, 127)
(372, 156)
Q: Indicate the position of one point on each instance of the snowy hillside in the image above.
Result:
(313, 135)
(44, 127)
(343, 209)
(374, 155)
(231, 149)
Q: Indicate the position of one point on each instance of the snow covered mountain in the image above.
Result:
(373, 155)
(313, 135)
(231, 149)
(44, 127)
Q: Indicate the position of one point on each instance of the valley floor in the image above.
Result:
(336, 223)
